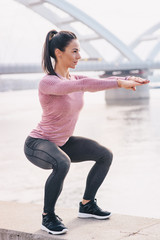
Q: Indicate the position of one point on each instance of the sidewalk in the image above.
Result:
(20, 221)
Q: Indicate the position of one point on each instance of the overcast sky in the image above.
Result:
(23, 32)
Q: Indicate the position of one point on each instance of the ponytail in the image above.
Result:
(54, 40)
(46, 56)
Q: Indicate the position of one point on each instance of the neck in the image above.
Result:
(64, 72)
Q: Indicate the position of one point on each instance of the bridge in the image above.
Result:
(127, 60)
(126, 63)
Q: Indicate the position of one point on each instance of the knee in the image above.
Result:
(110, 157)
(64, 165)
(107, 157)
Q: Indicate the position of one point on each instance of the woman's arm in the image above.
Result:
(54, 86)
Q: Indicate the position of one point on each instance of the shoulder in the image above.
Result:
(48, 78)
(48, 81)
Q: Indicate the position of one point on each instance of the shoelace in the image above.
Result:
(60, 219)
(53, 216)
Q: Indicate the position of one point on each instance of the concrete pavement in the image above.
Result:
(21, 221)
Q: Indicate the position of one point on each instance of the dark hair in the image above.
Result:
(54, 40)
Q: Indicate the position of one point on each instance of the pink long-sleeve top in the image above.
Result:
(61, 101)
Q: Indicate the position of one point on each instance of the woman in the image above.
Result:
(51, 145)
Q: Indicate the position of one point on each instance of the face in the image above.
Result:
(69, 58)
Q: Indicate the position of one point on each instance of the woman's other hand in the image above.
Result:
(138, 79)
(131, 82)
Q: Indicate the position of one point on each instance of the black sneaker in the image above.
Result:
(52, 224)
(91, 210)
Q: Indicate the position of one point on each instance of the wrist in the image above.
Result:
(119, 82)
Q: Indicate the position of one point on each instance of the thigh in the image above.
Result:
(43, 153)
(83, 149)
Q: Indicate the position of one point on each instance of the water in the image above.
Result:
(131, 131)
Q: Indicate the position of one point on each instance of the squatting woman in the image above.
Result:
(51, 145)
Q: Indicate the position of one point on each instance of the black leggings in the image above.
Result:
(47, 155)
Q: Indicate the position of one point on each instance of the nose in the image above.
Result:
(78, 56)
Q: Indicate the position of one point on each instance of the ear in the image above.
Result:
(58, 53)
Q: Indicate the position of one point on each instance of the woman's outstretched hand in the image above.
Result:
(132, 82)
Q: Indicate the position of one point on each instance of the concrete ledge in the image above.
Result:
(22, 222)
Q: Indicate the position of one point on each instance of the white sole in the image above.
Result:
(87, 215)
(53, 232)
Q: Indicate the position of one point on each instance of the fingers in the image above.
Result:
(139, 80)
(132, 85)
(132, 88)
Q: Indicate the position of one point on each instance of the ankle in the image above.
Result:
(44, 214)
(84, 201)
